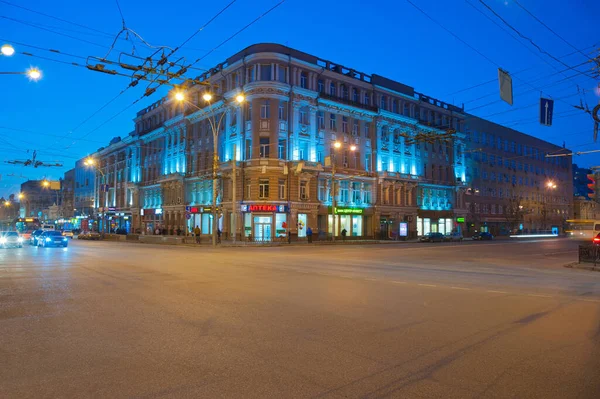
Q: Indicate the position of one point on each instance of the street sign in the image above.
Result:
(188, 215)
(546, 111)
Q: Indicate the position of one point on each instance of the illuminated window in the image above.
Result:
(263, 188)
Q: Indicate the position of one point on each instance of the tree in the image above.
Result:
(514, 211)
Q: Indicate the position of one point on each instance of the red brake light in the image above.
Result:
(596, 239)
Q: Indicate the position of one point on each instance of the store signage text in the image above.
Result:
(264, 208)
(349, 211)
(460, 220)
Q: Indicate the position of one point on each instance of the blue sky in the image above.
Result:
(388, 37)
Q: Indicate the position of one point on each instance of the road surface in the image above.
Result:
(465, 320)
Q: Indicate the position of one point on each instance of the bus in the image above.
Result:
(582, 229)
(26, 226)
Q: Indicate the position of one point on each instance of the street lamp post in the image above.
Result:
(549, 186)
(7, 50)
(215, 126)
(32, 73)
(92, 163)
(336, 146)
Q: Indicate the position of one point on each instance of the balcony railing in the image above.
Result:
(348, 102)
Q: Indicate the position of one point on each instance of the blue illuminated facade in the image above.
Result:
(399, 155)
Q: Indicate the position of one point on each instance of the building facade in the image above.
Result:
(512, 185)
(399, 157)
(39, 201)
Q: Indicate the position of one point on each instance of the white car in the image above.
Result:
(68, 233)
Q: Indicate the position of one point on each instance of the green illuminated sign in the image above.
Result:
(460, 220)
(348, 211)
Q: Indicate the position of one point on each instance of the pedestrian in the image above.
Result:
(309, 234)
(179, 231)
(218, 235)
(197, 234)
(344, 232)
(157, 231)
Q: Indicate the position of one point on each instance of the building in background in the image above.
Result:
(512, 184)
(582, 182)
(9, 212)
(67, 193)
(83, 196)
(37, 200)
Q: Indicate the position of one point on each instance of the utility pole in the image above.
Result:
(333, 201)
(234, 193)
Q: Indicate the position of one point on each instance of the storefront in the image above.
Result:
(435, 222)
(265, 222)
(349, 219)
(152, 219)
(202, 217)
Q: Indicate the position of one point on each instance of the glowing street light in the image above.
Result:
(207, 96)
(551, 184)
(6, 203)
(45, 183)
(337, 144)
(7, 50)
(89, 162)
(34, 74)
(21, 196)
(240, 98)
(179, 96)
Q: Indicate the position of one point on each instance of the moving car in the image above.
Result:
(48, 227)
(11, 239)
(596, 240)
(52, 239)
(483, 236)
(455, 236)
(68, 233)
(432, 237)
(33, 240)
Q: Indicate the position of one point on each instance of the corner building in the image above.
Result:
(400, 159)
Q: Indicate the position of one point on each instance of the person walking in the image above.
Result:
(197, 234)
(344, 232)
(309, 234)
(218, 235)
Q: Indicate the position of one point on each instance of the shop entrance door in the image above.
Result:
(262, 228)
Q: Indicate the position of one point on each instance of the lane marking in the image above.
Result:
(590, 300)
(460, 288)
(427, 285)
(497, 292)
(540, 296)
(371, 279)
(399, 282)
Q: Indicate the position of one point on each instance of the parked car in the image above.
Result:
(483, 236)
(432, 237)
(88, 235)
(33, 240)
(68, 233)
(11, 239)
(596, 240)
(52, 238)
(455, 236)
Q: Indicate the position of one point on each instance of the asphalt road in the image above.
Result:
(468, 320)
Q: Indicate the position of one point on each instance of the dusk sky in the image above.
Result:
(390, 38)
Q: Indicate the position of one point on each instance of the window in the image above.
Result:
(332, 89)
(355, 128)
(383, 104)
(265, 72)
(264, 147)
(282, 110)
(344, 124)
(303, 116)
(320, 86)
(303, 190)
(265, 109)
(281, 150)
(263, 188)
(367, 130)
(344, 191)
(368, 162)
(332, 122)
(367, 99)
(355, 95)
(356, 192)
(395, 106)
(281, 188)
(367, 194)
(248, 188)
(321, 119)
(322, 190)
(344, 91)
(406, 111)
(304, 80)
(281, 72)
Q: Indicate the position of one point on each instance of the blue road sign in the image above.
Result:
(546, 111)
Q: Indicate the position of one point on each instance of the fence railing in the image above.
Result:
(589, 254)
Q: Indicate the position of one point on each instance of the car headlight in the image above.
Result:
(20, 239)
(65, 239)
(2, 240)
(48, 239)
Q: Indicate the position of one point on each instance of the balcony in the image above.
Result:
(348, 102)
